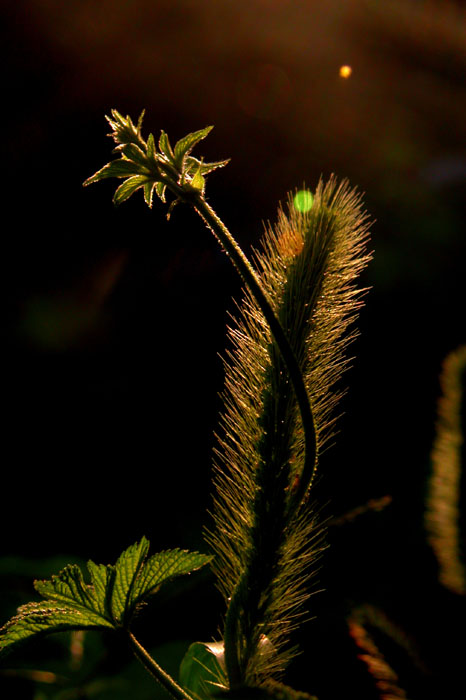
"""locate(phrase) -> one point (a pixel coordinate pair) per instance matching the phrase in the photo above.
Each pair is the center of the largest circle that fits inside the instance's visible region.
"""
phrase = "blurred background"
(113, 319)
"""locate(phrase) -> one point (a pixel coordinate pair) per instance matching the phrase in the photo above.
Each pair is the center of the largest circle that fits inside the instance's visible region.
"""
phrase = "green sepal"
(148, 191)
(140, 120)
(124, 131)
(160, 189)
(202, 671)
(165, 147)
(192, 164)
(128, 188)
(185, 145)
(133, 153)
(151, 150)
(198, 181)
(116, 168)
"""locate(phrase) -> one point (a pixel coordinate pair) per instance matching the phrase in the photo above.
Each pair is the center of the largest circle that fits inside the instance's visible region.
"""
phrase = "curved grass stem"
(252, 281)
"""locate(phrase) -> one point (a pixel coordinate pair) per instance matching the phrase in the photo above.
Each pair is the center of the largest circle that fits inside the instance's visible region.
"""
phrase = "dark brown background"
(112, 320)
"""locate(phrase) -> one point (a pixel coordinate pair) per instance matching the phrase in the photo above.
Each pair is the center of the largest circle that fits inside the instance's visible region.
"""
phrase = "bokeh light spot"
(345, 71)
(303, 200)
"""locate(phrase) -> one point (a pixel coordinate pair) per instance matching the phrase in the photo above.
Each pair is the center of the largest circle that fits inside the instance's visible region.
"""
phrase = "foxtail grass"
(266, 536)
(442, 515)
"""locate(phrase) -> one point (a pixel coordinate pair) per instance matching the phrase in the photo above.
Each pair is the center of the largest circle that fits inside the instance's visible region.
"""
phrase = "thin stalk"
(251, 279)
(166, 169)
(230, 636)
(170, 685)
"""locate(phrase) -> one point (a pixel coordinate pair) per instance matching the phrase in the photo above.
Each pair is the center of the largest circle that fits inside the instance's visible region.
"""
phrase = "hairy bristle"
(442, 515)
(265, 558)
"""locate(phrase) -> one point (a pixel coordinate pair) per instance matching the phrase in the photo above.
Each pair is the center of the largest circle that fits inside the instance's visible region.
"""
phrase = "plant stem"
(170, 685)
(230, 637)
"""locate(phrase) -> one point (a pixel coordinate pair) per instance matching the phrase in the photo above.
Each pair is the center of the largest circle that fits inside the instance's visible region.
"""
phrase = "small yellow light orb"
(345, 71)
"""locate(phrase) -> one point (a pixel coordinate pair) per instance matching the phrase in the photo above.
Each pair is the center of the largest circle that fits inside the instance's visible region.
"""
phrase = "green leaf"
(140, 120)
(140, 159)
(148, 191)
(126, 570)
(128, 188)
(163, 567)
(124, 130)
(42, 618)
(68, 588)
(109, 601)
(116, 168)
(160, 189)
(202, 670)
(151, 151)
(164, 146)
(135, 154)
(70, 604)
(102, 578)
(193, 164)
(117, 122)
(187, 143)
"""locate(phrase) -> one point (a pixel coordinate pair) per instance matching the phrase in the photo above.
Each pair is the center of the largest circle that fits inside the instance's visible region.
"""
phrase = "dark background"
(113, 319)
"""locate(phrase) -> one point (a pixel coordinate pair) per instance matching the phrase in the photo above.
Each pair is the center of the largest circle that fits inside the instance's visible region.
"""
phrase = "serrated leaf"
(202, 669)
(107, 602)
(128, 188)
(185, 145)
(70, 604)
(165, 147)
(163, 567)
(46, 617)
(68, 588)
(126, 571)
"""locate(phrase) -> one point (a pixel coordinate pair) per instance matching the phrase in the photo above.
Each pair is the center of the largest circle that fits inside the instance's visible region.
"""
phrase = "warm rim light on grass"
(443, 506)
